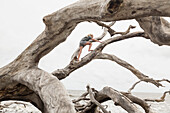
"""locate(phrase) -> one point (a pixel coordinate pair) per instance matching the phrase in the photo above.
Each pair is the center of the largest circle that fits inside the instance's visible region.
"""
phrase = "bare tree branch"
(63, 73)
(120, 100)
(126, 32)
(74, 56)
(100, 97)
(129, 91)
(105, 31)
(162, 99)
(158, 81)
(126, 65)
(82, 97)
(138, 101)
(157, 28)
(113, 32)
(59, 25)
(95, 101)
(163, 80)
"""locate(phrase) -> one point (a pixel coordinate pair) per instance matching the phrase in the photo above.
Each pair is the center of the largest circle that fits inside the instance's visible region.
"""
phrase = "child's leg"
(81, 47)
(90, 45)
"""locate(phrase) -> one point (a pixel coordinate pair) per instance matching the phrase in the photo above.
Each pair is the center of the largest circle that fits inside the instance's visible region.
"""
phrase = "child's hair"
(90, 35)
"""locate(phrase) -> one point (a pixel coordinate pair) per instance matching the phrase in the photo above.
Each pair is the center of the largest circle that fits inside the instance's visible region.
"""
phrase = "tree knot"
(47, 20)
(114, 5)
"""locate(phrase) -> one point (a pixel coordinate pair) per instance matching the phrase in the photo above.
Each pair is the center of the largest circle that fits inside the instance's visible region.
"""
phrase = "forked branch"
(63, 73)
(94, 100)
(113, 32)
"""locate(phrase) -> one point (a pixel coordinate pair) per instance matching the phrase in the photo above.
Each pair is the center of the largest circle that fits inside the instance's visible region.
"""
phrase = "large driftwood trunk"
(50, 96)
(157, 28)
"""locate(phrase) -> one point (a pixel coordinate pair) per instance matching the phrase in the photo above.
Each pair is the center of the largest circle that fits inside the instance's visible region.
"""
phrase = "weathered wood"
(162, 98)
(108, 93)
(138, 101)
(157, 28)
(22, 93)
(63, 73)
(121, 100)
(24, 69)
(94, 100)
(128, 66)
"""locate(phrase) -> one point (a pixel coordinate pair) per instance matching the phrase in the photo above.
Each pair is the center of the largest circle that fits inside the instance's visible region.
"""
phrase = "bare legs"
(90, 44)
(81, 47)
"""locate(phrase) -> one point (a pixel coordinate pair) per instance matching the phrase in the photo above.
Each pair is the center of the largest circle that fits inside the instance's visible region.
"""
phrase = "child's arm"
(96, 40)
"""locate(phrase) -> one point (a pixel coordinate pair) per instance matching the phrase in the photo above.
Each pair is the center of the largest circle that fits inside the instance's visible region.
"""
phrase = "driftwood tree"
(23, 80)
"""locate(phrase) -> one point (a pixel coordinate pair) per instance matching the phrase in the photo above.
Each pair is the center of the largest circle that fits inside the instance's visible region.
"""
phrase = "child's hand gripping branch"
(86, 41)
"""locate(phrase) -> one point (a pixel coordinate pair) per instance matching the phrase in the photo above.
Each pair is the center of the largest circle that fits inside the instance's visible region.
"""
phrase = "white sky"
(21, 22)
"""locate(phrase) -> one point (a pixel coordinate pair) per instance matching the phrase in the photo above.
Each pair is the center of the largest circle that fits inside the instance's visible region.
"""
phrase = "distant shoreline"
(142, 95)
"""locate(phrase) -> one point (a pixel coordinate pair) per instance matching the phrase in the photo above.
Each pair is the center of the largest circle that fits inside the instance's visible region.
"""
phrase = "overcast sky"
(21, 22)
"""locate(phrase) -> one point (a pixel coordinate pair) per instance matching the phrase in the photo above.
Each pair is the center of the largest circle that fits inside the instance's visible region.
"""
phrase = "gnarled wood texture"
(24, 69)
(157, 28)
